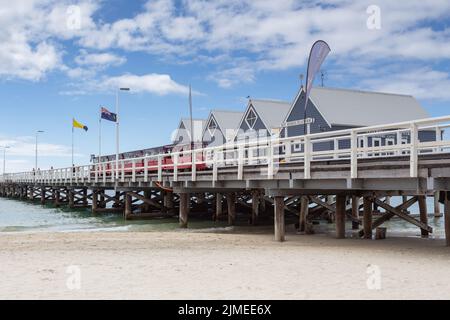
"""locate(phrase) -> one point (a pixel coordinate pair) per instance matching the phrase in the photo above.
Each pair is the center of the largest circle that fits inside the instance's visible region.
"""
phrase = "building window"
(251, 119)
(212, 126)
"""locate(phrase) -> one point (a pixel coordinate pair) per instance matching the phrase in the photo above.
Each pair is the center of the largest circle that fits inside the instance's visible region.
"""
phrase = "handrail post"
(215, 164)
(413, 161)
(270, 161)
(175, 167)
(194, 165)
(145, 170)
(354, 155)
(307, 157)
(133, 170)
(122, 170)
(159, 168)
(240, 162)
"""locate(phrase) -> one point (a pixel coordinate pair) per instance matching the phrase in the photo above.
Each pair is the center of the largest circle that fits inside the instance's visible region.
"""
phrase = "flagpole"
(99, 137)
(190, 114)
(72, 144)
(117, 135)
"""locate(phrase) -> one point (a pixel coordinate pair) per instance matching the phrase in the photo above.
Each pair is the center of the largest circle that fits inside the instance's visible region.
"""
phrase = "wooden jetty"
(345, 183)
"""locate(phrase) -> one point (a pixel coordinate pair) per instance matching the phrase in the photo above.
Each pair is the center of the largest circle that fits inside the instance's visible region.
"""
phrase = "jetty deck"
(279, 176)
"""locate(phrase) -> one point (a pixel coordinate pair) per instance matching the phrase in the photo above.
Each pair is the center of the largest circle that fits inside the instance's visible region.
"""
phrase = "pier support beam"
(279, 219)
(184, 205)
(168, 201)
(437, 207)
(367, 219)
(128, 206)
(94, 201)
(340, 216)
(57, 196)
(355, 213)
(71, 195)
(255, 207)
(447, 218)
(42, 195)
(304, 204)
(423, 214)
(231, 203)
(219, 207)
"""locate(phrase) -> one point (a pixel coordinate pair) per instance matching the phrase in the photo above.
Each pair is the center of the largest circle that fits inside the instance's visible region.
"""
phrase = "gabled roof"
(186, 124)
(272, 112)
(226, 120)
(364, 108)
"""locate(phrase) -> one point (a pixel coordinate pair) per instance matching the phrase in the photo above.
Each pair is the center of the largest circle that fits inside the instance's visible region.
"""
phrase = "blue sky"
(63, 59)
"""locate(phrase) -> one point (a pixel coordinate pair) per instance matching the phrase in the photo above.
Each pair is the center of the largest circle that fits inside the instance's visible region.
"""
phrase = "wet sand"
(206, 265)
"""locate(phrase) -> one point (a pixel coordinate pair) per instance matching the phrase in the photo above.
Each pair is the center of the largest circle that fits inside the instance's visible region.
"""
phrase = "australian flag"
(107, 115)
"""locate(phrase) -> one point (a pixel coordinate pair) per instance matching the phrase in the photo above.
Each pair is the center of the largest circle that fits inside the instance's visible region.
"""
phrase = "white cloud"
(160, 84)
(31, 30)
(99, 59)
(423, 83)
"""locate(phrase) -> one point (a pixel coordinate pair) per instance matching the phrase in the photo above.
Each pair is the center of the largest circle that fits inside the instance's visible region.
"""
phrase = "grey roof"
(272, 112)
(199, 125)
(226, 120)
(363, 108)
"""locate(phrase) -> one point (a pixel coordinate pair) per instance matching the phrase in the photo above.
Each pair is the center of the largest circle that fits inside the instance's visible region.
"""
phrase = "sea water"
(25, 216)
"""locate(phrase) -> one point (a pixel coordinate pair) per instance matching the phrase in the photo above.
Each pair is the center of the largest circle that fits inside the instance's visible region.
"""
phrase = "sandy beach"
(206, 265)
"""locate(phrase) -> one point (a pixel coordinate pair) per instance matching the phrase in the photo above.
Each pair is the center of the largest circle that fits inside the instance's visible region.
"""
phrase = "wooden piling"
(146, 206)
(355, 213)
(94, 201)
(304, 206)
(219, 207)
(128, 206)
(184, 204)
(423, 214)
(57, 197)
(71, 196)
(42, 195)
(437, 206)
(447, 218)
(340, 216)
(255, 207)
(231, 205)
(367, 218)
(279, 219)
(168, 201)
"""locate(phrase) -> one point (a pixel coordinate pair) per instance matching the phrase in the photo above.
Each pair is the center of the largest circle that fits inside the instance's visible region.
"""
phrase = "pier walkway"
(344, 174)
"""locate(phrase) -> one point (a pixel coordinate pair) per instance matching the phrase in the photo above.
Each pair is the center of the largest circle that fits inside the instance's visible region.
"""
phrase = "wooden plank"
(423, 214)
(231, 203)
(447, 218)
(146, 200)
(367, 220)
(279, 219)
(388, 215)
(184, 203)
(304, 207)
(355, 212)
(128, 207)
(219, 206)
(255, 207)
(340, 216)
(403, 215)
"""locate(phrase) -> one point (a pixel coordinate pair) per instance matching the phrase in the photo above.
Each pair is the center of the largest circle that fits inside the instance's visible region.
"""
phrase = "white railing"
(384, 141)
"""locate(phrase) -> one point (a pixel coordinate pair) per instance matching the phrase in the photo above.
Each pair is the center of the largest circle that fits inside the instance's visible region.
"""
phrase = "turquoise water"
(21, 216)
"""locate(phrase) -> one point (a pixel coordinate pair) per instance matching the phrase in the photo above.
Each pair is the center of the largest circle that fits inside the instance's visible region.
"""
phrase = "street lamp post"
(36, 150)
(117, 130)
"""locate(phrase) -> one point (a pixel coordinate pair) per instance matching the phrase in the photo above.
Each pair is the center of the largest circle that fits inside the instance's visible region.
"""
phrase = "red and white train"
(167, 161)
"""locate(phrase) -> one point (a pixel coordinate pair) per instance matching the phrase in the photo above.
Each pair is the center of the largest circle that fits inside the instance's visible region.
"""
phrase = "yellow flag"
(76, 124)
